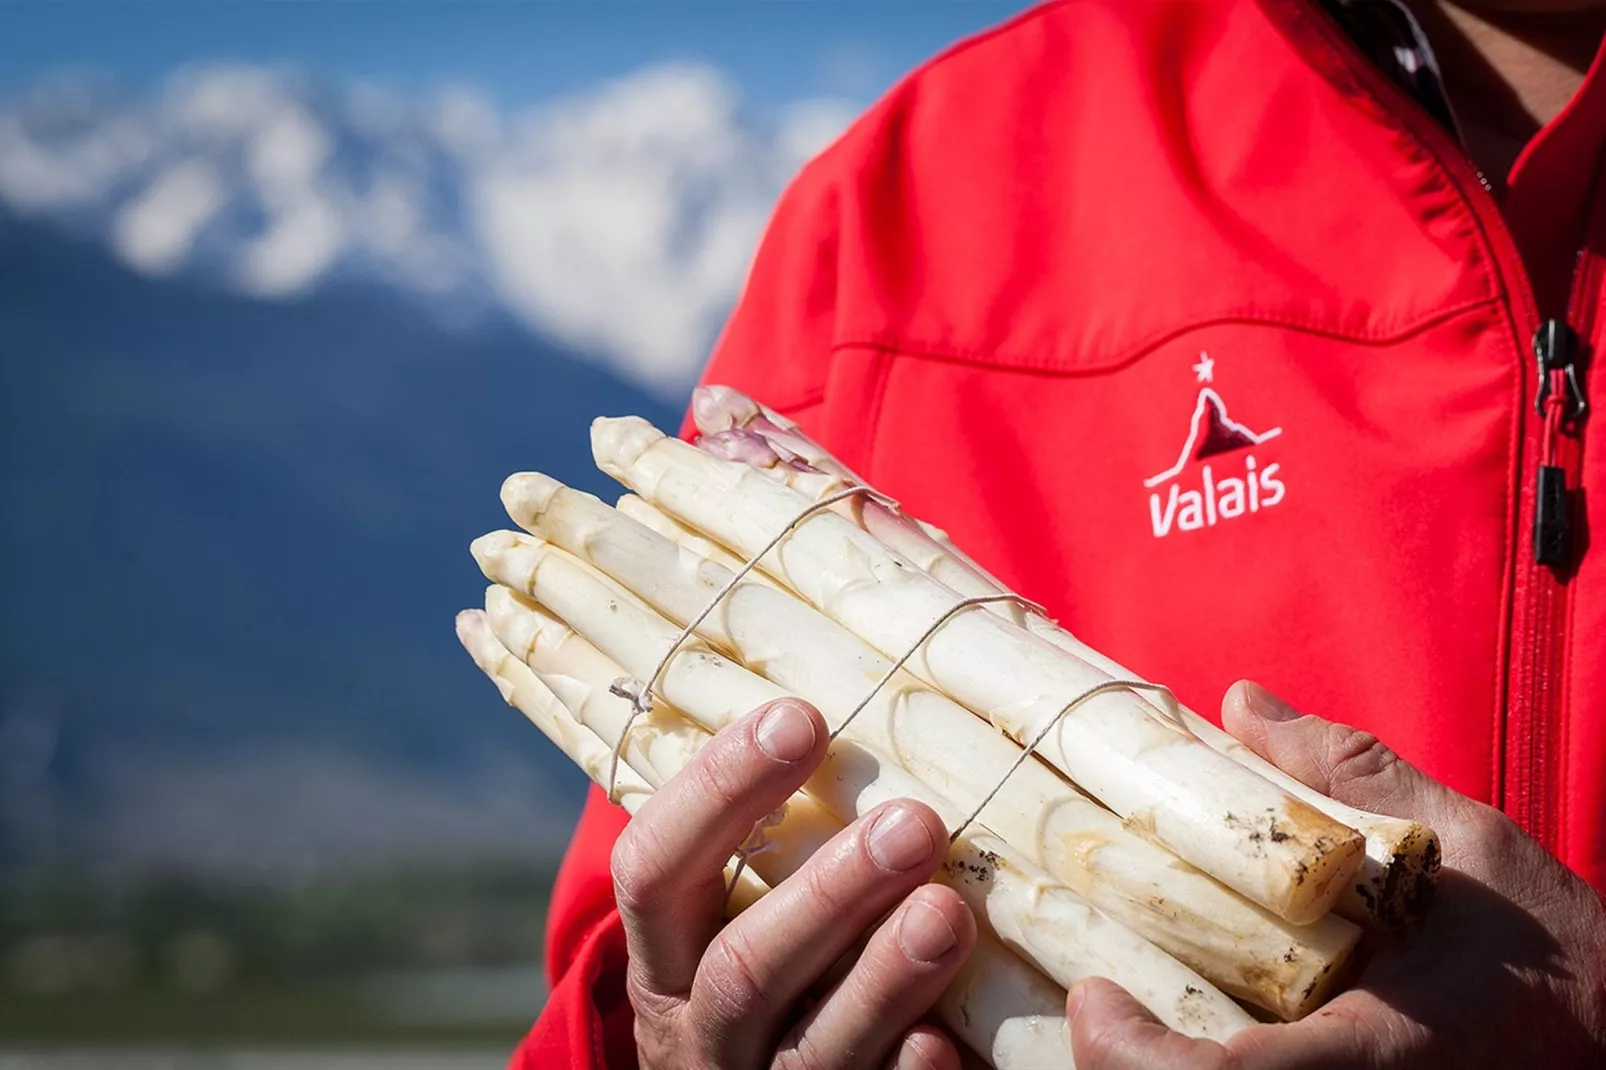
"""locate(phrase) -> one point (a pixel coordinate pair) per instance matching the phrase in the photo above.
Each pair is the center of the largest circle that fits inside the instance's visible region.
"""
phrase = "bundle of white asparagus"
(1134, 841)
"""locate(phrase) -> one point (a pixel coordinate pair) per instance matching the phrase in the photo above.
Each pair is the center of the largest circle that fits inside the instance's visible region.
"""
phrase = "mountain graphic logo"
(1217, 477)
(1211, 432)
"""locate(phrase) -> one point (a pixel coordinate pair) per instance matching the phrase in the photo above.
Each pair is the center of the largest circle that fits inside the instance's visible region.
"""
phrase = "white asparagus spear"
(998, 1005)
(655, 520)
(1007, 1012)
(1247, 833)
(661, 742)
(1395, 882)
(1244, 949)
(521, 689)
(1046, 923)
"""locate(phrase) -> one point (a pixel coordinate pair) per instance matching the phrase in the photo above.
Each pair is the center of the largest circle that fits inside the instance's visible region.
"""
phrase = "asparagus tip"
(509, 557)
(738, 445)
(489, 548)
(721, 408)
(474, 632)
(519, 623)
(526, 495)
(470, 627)
(501, 604)
(618, 441)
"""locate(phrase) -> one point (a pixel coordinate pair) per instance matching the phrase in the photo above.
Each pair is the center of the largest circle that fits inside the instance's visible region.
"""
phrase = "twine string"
(947, 615)
(757, 843)
(639, 693)
(1042, 734)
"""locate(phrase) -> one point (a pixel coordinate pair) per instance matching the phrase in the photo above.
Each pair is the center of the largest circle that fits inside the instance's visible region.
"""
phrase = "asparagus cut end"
(1397, 894)
(1327, 865)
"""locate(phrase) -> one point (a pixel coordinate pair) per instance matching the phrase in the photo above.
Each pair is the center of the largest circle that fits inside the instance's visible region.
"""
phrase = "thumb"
(1112, 1031)
(1341, 762)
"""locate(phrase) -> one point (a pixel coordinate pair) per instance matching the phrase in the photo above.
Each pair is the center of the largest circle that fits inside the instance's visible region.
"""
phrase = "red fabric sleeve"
(776, 347)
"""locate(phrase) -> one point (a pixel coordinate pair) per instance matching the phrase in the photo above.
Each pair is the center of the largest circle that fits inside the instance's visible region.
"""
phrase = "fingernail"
(1267, 706)
(899, 840)
(917, 1053)
(924, 933)
(785, 733)
(912, 1058)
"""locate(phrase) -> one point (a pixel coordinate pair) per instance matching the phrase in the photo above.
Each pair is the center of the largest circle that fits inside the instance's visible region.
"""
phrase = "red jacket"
(1189, 324)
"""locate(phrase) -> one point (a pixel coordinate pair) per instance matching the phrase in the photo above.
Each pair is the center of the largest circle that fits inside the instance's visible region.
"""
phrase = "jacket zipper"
(1560, 404)
(1538, 691)
(1529, 762)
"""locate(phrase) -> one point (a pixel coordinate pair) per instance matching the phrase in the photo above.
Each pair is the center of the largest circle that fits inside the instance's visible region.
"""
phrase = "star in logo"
(1206, 368)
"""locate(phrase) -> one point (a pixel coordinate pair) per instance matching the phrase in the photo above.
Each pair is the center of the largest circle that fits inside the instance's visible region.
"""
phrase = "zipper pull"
(1552, 532)
(1561, 402)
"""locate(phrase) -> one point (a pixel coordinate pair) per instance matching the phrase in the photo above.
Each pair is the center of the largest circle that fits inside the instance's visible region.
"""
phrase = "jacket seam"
(963, 355)
(882, 381)
(814, 395)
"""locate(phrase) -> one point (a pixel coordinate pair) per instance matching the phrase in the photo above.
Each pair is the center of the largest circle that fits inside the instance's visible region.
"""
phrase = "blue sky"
(777, 50)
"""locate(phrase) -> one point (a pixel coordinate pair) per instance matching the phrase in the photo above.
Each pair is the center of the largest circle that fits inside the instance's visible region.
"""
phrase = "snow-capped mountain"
(267, 347)
(618, 222)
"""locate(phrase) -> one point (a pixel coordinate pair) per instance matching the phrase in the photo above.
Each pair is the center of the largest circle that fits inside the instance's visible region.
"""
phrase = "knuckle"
(1356, 757)
(729, 986)
(724, 772)
(641, 880)
(823, 883)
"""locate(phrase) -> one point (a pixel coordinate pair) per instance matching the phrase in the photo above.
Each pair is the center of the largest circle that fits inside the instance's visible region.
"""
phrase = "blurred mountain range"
(234, 537)
(617, 222)
(268, 345)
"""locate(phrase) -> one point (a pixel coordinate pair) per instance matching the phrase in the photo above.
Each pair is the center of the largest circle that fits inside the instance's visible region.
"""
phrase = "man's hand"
(1509, 971)
(709, 995)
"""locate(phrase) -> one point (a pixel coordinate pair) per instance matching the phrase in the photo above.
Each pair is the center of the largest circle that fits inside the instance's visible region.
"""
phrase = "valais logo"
(1217, 476)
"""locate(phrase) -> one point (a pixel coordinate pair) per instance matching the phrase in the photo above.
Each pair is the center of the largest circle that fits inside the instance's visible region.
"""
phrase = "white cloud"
(288, 150)
(226, 99)
(623, 222)
(465, 122)
(154, 231)
(391, 214)
(302, 241)
(619, 221)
